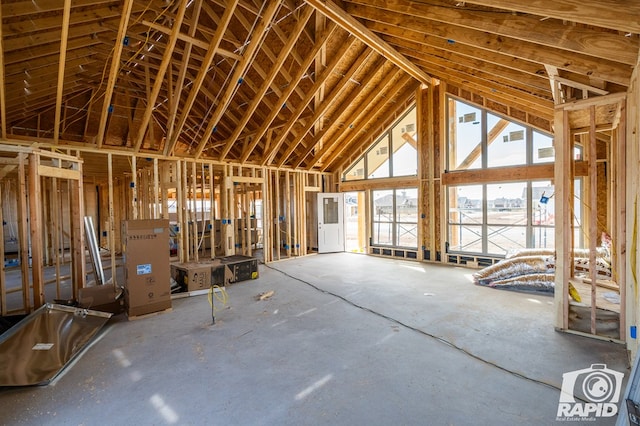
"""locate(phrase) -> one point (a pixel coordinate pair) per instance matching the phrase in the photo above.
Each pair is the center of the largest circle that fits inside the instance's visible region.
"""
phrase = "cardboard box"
(102, 298)
(146, 266)
(192, 276)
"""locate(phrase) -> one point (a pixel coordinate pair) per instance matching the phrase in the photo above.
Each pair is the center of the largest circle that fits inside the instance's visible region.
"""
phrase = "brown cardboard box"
(102, 298)
(146, 261)
(192, 276)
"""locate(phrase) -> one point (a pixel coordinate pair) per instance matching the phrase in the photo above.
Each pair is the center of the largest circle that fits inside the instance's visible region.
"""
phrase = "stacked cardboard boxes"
(146, 266)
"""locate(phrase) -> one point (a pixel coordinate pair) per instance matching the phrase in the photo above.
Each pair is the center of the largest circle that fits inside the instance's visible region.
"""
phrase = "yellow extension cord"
(222, 297)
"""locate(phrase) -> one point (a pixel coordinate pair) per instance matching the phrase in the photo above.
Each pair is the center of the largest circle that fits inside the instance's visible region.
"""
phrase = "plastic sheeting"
(36, 349)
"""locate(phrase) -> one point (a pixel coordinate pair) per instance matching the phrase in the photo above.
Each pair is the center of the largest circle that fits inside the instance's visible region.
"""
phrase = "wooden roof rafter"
(199, 80)
(349, 23)
(282, 100)
(235, 79)
(268, 80)
(322, 108)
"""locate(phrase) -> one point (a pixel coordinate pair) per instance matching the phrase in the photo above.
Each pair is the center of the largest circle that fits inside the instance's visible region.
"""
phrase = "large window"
(395, 217)
(497, 217)
(393, 154)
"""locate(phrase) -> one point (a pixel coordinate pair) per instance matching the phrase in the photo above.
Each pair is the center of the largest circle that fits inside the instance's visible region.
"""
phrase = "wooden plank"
(111, 217)
(417, 28)
(3, 103)
(78, 261)
(355, 27)
(35, 227)
(212, 49)
(287, 209)
(383, 183)
(508, 174)
(212, 211)
(592, 212)
(620, 15)
(114, 71)
(61, 68)
(239, 71)
(23, 233)
(563, 171)
(516, 26)
(159, 77)
(57, 172)
(619, 243)
(3, 285)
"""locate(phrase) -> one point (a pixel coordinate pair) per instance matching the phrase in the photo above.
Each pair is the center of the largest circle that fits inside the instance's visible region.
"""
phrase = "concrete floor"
(346, 339)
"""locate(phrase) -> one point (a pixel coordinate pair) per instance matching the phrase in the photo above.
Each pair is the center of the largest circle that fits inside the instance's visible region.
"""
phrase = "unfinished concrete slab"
(345, 339)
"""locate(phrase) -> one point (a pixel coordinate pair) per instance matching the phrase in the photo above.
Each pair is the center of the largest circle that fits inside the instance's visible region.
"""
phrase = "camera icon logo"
(598, 385)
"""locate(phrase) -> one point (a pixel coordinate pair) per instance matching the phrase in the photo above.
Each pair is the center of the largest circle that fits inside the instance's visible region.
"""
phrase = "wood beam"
(391, 75)
(61, 68)
(190, 39)
(349, 23)
(159, 78)
(186, 56)
(616, 14)
(202, 74)
(115, 69)
(380, 21)
(3, 115)
(275, 69)
(302, 69)
(257, 36)
(320, 81)
(321, 110)
(507, 174)
(611, 46)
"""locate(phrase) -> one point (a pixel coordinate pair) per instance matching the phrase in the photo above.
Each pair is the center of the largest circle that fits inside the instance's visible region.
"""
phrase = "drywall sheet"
(36, 349)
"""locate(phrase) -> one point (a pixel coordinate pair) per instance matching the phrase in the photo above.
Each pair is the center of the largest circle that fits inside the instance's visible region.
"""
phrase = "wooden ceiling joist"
(378, 20)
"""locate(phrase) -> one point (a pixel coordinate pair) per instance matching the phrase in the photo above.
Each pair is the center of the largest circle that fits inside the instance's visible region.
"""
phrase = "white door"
(330, 222)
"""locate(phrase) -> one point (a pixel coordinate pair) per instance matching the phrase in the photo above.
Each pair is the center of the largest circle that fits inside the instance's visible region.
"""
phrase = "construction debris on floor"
(35, 350)
(534, 269)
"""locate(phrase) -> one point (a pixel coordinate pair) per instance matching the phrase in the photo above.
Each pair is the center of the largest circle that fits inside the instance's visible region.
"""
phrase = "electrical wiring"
(222, 298)
(422, 332)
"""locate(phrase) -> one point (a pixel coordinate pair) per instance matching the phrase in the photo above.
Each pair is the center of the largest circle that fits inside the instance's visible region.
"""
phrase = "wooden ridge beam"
(349, 23)
(257, 37)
